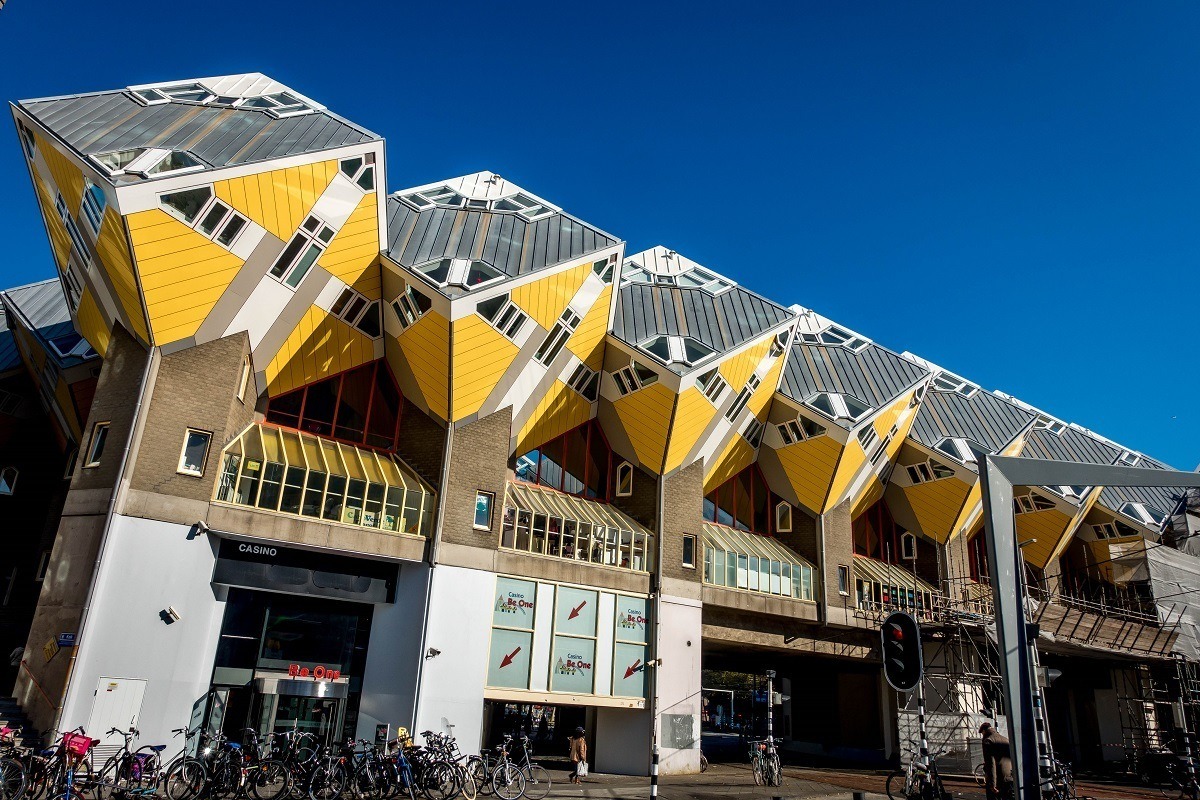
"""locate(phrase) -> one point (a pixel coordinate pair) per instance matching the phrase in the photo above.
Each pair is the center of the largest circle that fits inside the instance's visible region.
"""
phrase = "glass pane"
(332, 508)
(718, 570)
(554, 531)
(508, 528)
(213, 218)
(355, 496)
(357, 386)
(188, 202)
(373, 508)
(292, 490)
(268, 495)
(539, 533)
(194, 451)
(576, 460)
(226, 490)
(551, 471)
(302, 266)
(391, 509)
(524, 530)
(313, 491)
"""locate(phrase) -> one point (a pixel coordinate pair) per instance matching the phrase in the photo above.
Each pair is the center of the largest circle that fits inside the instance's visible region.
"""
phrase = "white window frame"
(1028, 503)
(627, 469)
(181, 469)
(94, 458)
(311, 237)
(962, 450)
(713, 385)
(585, 382)
(356, 174)
(229, 218)
(8, 480)
(949, 382)
(1130, 458)
(779, 526)
(841, 410)
(752, 431)
(148, 160)
(628, 381)
(743, 397)
(406, 308)
(1044, 422)
(491, 506)
(843, 578)
(793, 431)
(93, 212)
(244, 381)
(683, 551)
(556, 338)
(1141, 513)
(347, 302)
(1105, 530)
(80, 348)
(78, 243)
(508, 321)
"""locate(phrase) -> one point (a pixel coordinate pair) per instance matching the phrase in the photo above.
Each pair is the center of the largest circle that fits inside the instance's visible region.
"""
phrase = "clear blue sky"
(1009, 190)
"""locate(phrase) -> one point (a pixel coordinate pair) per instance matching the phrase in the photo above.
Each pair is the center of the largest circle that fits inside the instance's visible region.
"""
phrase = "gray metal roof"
(1163, 499)
(504, 240)
(720, 321)
(222, 137)
(983, 417)
(1070, 445)
(10, 359)
(874, 375)
(42, 308)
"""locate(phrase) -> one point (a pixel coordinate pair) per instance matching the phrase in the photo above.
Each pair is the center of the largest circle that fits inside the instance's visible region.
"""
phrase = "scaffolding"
(1159, 704)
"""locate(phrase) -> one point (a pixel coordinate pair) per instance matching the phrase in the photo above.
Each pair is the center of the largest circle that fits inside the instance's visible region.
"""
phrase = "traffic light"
(903, 663)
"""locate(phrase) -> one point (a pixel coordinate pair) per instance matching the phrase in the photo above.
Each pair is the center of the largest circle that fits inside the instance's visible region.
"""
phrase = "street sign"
(66, 640)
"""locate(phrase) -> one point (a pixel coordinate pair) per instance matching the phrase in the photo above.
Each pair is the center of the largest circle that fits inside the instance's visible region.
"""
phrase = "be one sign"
(317, 673)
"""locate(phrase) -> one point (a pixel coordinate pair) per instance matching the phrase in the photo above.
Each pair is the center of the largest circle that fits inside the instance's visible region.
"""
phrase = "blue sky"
(1009, 190)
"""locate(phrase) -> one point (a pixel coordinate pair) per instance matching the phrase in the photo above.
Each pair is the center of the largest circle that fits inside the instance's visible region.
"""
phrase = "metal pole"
(654, 773)
(771, 709)
(921, 722)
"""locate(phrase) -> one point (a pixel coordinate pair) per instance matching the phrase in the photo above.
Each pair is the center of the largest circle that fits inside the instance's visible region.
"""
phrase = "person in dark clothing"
(997, 762)
(578, 754)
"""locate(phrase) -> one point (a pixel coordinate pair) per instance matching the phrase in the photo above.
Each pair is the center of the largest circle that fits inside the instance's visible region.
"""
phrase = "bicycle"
(764, 762)
(506, 779)
(919, 781)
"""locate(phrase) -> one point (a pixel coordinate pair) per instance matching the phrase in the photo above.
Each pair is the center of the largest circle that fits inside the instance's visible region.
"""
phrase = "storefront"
(294, 639)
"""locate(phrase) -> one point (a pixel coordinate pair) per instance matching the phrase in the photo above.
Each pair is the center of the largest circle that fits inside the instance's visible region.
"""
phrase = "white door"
(118, 704)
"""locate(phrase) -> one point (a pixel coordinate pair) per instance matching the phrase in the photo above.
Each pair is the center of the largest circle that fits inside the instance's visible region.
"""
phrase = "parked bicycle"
(919, 780)
(764, 761)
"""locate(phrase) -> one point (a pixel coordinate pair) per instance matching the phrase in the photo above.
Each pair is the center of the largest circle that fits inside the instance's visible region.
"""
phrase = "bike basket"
(77, 744)
(7, 733)
(141, 765)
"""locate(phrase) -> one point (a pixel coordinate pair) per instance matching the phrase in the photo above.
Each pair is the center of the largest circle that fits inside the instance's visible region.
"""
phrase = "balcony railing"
(288, 472)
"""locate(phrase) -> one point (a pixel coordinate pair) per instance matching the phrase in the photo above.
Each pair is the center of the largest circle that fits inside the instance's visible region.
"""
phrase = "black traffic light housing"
(903, 664)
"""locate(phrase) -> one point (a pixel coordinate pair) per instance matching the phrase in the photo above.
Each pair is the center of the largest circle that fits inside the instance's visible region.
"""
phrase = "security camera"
(202, 527)
(433, 652)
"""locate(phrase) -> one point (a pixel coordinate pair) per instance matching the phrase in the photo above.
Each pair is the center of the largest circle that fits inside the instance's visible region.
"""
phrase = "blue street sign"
(66, 640)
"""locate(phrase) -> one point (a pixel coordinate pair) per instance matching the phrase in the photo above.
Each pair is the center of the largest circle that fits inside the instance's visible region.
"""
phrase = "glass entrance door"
(320, 716)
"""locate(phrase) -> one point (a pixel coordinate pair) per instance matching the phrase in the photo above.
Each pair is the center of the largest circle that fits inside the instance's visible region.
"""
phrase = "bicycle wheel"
(442, 782)
(466, 782)
(507, 782)
(12, 780)
(327, 782)
(897, 786)
(776, 771)
(185, 780)
(477, 768)
(537, 782)
(269, 780)
(756, 766)
(703, 763)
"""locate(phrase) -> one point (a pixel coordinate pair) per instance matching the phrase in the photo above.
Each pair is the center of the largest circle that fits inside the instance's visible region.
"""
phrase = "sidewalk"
(721, 781)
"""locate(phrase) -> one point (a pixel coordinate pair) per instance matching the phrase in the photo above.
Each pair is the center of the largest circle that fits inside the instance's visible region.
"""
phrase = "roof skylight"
(277, 104)
(677, 349)
(460, 272)
(960, 449)
(839, 406)
(693, 278)
(834, 335)
(949, 382)
(1144, 514)
(147, 162)
(527, 208)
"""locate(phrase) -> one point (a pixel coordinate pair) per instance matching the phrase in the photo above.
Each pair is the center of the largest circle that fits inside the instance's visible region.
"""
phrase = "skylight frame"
(838, 408)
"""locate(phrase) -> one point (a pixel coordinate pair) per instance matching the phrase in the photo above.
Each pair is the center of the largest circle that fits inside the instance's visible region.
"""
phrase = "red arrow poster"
(635, 667)
(575, 611)
(508, 659)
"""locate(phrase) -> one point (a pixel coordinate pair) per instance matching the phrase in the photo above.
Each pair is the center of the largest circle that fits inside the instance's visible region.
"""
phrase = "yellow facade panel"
(646, 416)
(693, 413)
(810, 466)
(91, 323)
(761, 399)
(545, 299)
(1046, 527)
(60, 242)
(869, 495)
(852, 460)
(970, 506)
(480, 357)
(560, 410)
(935, 505)
(67, 176)
(356, 245)
(320, 346)
(587, 342)
(737, 456)
(425, 347)
(737, 369)
(114, 252)
(278, 200)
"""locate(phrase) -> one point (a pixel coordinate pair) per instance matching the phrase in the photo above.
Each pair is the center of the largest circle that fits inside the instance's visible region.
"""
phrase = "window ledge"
(317, 520)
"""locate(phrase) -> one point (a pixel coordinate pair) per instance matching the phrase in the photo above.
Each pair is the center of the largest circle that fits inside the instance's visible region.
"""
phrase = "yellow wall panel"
(114, 252)
(587, 342)
(935, 505)
(60, 242)
(66, 174)
(62, 396)
(183, 274)
(693, 413)
(737, 369)
(761, 399)
(425, 347)
(91, 323)
(1047, 527)
(973, 502)
(737, 456)
(278, 200)
(810, 466)
(646, 416)
(850, 463)
(480, 357)
(356, 245)
(887, 418)
(320, 346)
(545, 299)
(560, 410)
(868, 496)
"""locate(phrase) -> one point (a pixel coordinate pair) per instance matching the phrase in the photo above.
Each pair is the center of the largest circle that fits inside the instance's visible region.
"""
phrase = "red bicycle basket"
(76, 744)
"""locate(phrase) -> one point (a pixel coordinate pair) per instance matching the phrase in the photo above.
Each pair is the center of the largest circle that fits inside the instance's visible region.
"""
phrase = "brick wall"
(803, 537)
(839, 549)
(683, 510)
(114, 402)
(642, 505)
(421, 443)
(194, 388)
(478, 462)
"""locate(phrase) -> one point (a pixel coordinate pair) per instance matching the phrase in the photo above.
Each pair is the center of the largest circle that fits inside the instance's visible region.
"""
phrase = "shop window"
(624, 479)
(743, 502)
(689, 551)
(8, 480)
(360, 406)
(96, 447)
(783, 517)
(578, 462)
(195, 451)
(483, 510)
(843, 580)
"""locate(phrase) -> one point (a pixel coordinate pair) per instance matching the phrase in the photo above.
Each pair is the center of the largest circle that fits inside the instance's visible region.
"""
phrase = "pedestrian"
(578, 755)
(997, 762)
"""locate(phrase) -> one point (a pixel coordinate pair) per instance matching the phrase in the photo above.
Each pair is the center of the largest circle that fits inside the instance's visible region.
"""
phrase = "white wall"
(678, 683)
(148, 566)
(460, 621)
(393, 656)
(622, 742)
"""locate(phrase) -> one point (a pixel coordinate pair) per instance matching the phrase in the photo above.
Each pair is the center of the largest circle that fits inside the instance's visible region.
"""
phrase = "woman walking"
(578, 756)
